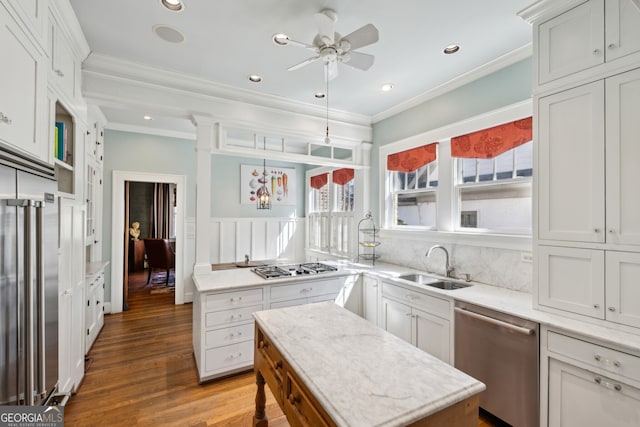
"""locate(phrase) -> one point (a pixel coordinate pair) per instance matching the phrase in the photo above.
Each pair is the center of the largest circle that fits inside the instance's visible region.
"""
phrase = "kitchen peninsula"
(328, 367)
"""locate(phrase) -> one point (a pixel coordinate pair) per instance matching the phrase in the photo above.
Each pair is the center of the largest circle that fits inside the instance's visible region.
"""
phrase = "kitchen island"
(327, 366)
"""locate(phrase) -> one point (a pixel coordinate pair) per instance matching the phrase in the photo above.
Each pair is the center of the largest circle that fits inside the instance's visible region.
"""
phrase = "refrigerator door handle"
(28, 327)
(41, 366)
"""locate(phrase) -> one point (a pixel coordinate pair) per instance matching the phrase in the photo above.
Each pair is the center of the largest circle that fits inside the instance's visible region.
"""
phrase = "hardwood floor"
(141, 372)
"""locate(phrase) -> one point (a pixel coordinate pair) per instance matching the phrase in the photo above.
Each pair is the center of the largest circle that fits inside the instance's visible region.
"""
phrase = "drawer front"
(299, 408)
(300, 301)
(436, 306)
(227, 317)
(226, 336)
(595, 355)
(307, 288)
(230, 356)
(227, 300)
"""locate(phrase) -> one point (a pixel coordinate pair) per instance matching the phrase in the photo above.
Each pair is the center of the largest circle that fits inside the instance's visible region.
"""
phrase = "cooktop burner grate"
(274, 271)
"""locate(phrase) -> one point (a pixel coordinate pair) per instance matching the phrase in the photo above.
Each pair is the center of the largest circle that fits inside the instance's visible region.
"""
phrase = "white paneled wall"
(260, 238)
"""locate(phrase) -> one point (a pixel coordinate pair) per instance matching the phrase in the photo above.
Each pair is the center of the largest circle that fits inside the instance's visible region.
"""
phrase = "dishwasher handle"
(514, 328)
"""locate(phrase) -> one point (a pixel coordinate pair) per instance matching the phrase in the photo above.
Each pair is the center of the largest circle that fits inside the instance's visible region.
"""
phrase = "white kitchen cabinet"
(623, 287)
(586, 383)
(23, 78)
(64, 69)
(371, 298)
(94, 309)
(417, 318)
(71, 295)
(570, 165)
(304, 292)
(571, 279)
(223, 331)
(590, 34)
(34, 15)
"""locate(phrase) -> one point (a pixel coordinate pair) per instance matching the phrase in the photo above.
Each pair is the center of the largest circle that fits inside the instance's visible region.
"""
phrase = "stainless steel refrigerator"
(28, 281)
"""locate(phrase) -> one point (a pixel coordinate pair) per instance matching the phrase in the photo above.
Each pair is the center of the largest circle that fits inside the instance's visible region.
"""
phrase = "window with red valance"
(319, 181)
(342, 176)
(491, 142)
(413, 159)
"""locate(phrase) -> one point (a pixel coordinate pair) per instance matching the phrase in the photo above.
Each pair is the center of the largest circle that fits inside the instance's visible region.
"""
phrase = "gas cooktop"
(274, 271)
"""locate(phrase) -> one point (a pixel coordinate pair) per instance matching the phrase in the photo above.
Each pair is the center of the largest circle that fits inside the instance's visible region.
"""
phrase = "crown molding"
(147, 130)
(136, 72)
(503, 61)
(546, 8)
(70, 25)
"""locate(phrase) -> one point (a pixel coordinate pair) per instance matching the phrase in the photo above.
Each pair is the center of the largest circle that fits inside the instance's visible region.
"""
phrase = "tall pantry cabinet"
(43, 115)
(586, 209)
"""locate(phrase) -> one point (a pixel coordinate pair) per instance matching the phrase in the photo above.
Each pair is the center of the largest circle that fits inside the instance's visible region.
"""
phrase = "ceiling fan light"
(280, 39)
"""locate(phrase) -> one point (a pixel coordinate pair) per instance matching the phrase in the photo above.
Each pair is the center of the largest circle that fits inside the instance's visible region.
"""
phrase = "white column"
(206, 139)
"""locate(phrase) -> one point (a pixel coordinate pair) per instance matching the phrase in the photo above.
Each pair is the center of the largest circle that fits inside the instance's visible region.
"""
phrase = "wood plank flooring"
(141, 372)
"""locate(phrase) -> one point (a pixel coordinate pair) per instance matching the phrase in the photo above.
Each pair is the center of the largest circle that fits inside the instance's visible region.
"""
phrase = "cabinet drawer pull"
(4, 119)
(612, 309)
(263, 344)
(235, 317)
(612, 46)
(279, 364)
(293, 399)
(607, 384)
(59, 72)
(233, 299)
(411, 297)
(607, 362)
(306, 290)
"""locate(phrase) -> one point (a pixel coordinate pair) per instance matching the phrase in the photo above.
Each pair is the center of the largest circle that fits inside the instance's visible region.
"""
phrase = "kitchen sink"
(423, 279)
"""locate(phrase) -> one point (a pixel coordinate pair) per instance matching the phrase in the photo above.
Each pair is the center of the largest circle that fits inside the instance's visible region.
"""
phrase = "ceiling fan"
(331, 48)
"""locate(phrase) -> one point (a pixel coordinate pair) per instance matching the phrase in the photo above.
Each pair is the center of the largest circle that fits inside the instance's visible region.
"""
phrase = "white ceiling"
(227, 40)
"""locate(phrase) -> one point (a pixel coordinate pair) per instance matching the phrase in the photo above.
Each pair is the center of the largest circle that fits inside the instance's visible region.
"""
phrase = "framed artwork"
(281, 183)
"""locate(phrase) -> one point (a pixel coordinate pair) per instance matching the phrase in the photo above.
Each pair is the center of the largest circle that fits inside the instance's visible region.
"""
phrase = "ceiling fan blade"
(331, 71)
(361, 61)
(326, 26)
(363, 36)
(303, 63)
(300, 44)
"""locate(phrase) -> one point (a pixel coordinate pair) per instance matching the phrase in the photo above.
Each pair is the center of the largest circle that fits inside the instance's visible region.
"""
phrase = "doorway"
(120, 232)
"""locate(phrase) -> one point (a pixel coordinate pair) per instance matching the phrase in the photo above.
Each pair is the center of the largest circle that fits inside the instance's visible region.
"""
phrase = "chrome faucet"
(246, 259)
(450, 268)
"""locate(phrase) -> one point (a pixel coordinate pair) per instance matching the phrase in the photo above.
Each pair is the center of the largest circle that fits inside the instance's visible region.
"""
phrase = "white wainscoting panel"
(260, 238)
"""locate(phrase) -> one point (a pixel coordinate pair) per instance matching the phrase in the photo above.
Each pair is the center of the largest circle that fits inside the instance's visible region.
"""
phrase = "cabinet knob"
(4, 119)
(596, 51)
(596, 306)
(293, 399)
(612, 46)
(596, 230)
(279, 364)
(611, 231)
(612, 309)
(59, 72)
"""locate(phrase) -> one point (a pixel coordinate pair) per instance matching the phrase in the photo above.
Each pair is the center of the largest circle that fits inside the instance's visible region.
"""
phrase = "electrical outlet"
(526, 257)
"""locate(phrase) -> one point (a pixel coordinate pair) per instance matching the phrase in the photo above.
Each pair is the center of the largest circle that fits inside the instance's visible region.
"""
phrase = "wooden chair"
(159, 255)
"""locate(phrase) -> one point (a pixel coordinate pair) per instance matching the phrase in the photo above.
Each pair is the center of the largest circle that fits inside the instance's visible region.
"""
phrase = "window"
(413, 177)
(331, 224)
(493, 183)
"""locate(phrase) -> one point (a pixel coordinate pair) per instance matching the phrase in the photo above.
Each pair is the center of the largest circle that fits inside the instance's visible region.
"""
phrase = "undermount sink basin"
(423, 279)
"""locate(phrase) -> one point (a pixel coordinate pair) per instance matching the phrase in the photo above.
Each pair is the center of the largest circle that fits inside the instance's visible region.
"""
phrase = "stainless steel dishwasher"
(501, 351)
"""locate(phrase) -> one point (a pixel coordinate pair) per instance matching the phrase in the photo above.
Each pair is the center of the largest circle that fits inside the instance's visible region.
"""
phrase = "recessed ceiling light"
(387, 87)
(147, 117)
(174, 5)
(320, 95)
(281, 39)
(452, 48)
(255, 78)
(168, 34)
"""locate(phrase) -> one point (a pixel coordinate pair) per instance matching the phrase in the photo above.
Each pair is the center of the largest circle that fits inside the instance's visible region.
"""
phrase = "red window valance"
(410, 160)
(491, 142)
(319, 181)
(342, 176)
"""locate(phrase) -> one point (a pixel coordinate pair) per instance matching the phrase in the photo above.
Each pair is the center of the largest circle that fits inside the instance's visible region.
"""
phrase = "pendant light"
(264, 198)
(326, 77)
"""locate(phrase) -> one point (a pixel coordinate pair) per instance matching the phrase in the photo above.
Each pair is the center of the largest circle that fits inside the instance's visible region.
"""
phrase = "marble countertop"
(505, 300)
(360, 374)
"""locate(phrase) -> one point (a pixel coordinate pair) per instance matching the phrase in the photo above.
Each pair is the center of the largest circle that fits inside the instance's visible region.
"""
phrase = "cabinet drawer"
(230, 356)
(436, 306)
(225, 317)
(233, 299)
(595, 355)
(298, 407)
(226, 336)
(307, 288)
